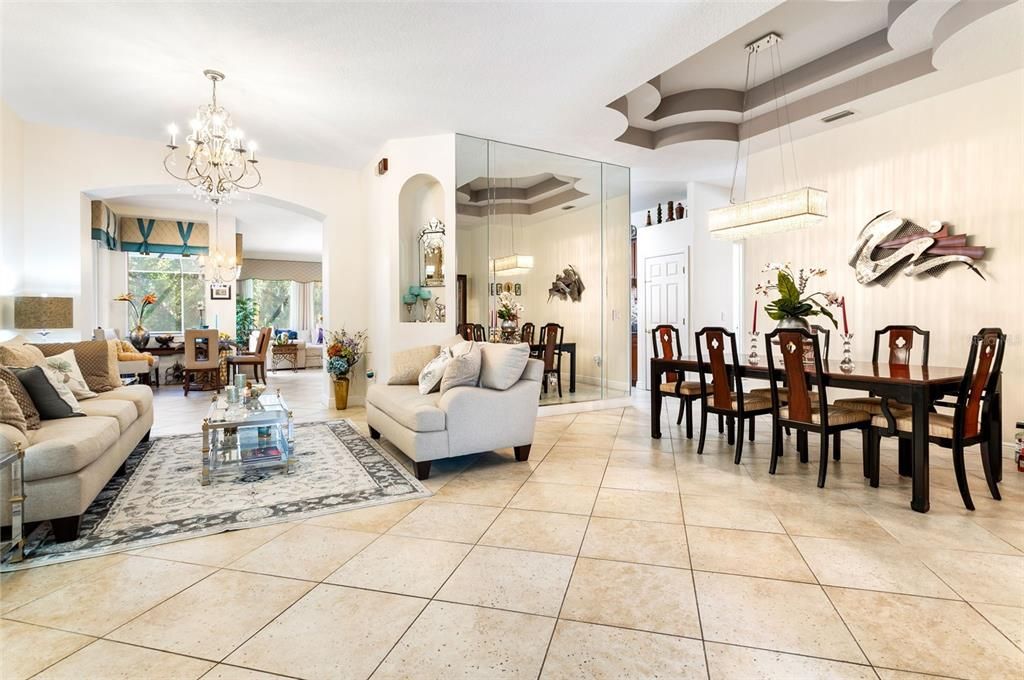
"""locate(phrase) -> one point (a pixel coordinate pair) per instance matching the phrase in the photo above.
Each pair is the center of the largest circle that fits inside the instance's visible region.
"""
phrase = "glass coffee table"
(257, 433)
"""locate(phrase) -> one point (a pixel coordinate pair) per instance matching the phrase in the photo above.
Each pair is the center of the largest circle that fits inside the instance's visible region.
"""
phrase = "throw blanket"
(126, 352)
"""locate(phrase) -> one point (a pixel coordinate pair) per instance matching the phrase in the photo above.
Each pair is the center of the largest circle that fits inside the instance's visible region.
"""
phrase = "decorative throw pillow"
(19, 356)
(71, 376)
(406, 366)
(502, 365)
(51, 403)
(464, 368)
(97, 360)
(10, 411)
(21, 397)
(430, 376)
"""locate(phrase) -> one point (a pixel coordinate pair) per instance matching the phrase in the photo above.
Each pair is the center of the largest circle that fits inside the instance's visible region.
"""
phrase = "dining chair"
(784, 391)
(807, 411)
(479, 333)
(202, 357)
(466, 330)
(900, 341)
(257, 358)
(968, 425)
(551, 335)
(719, 397)
(527, 332)
(668, 345)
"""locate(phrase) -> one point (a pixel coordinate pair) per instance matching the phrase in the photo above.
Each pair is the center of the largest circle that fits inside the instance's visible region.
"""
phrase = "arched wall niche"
(421, 199)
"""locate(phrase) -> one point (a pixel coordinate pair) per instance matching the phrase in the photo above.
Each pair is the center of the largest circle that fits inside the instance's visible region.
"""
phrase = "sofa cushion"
(409, 408)
(140, 395)
(97, 360)
(121, 410)
(464, 368)
(502, 365)
(430, 376)
(66, 365)
(51, 398)
(63, 447)
(406, 365)
(21, 396)
(10, 412)
(19, 356)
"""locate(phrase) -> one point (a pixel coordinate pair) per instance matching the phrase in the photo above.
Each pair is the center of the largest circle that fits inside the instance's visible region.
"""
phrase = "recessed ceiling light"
(831, 118)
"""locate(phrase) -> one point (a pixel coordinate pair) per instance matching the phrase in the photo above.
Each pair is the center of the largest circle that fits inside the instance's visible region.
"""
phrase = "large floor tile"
(537, 531)
(1009, 620)
(28, 649)
(447, 522)
(21, 587)
(401, 564)
(479, 491)
(554, 471)
(210, 619)
(649, 506)
(114, 661)
(1010, 530)
(640, 478)
(583, 650)
(587, 441)
(375, 520)
(574, 499)
(728, 662)
(100, 603)
(980, 577)
(777, 615)
(847, 522)
(871, 566)
(453, 641)
(730, 513)
(750, 553)
(332, 632)
(934, 530)
(644, 597)
(518, 580)
(217, 550)
(635, 541)
(307, 551)
(225, 672)
(926, 635)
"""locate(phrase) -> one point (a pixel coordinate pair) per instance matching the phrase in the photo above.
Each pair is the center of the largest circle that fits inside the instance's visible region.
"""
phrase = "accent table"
(14, 550)
(254, 434)
(288, 351)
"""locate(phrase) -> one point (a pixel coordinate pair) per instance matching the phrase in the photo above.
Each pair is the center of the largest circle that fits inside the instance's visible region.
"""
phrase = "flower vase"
(139, 337)
(509, 327)
(794, 322)
(341, 392)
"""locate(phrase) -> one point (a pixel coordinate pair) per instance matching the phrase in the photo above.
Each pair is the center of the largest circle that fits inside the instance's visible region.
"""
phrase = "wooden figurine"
(649, 223)
(671, 212)
(659, 213)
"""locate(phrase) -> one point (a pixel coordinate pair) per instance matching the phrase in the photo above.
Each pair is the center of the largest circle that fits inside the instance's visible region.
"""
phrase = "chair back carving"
(202, 349)
(795, 345)
(551, 335)
(466, 330)
(712, 342)
(900, 341)
(984, 363)
(526, 332)
(667, 345)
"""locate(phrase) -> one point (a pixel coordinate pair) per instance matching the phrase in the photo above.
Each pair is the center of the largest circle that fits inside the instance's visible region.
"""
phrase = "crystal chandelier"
(217, 267)
(794, 209)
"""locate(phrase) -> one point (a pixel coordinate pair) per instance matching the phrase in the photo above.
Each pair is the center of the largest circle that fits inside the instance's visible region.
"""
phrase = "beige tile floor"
(607, 555)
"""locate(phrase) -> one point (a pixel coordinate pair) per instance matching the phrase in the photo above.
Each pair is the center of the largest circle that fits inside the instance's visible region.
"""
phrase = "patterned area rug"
(159, 499)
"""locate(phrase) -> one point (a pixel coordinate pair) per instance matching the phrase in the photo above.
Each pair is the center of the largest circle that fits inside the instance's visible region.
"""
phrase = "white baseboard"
(584, 406)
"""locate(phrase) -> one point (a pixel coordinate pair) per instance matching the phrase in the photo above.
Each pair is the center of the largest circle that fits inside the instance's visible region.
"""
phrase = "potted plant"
(138, 335)
(793, 304)
(508, 311)
(343, 352)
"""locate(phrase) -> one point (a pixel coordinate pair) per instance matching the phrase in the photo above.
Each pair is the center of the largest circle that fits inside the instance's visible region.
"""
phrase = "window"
(274, 301)
(178, 287)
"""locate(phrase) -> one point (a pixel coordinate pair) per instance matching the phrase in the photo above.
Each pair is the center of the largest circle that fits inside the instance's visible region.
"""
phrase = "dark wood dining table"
(919, 386)
(568, 348)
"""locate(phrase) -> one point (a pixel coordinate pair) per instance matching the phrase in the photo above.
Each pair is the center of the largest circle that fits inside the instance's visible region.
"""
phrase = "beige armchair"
(143, 369)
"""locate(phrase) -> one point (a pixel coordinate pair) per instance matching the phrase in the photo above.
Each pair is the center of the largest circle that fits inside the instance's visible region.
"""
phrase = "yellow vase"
(341, 393)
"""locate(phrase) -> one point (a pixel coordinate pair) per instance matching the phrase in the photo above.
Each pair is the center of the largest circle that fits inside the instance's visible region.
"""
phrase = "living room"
(583, 340)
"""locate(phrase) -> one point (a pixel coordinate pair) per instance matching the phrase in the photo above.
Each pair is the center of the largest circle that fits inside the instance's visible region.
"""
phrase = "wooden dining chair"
(820, 331)
(479, 333)
(900, 341)
(668, 345)
(202, 358)
(969, 424)
(551, 335)
(719, 396)
(807, 411)
(466, 330)
(257, 358)
(527, 332)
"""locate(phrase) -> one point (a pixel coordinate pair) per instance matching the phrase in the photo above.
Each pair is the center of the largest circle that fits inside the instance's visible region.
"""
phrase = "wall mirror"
(432, 254)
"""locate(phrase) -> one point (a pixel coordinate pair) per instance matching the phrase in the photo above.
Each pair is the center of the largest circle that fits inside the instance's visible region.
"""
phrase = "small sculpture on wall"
(917, 249)
(440, 313)
(567, 286)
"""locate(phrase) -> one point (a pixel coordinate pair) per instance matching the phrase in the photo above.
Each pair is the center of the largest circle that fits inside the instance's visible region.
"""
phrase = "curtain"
(281, 270)
(104, 225)
(302, 306)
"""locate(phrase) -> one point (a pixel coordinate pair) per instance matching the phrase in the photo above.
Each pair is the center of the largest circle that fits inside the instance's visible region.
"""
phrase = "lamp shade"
(783, 212)
(43, 312)
(513, 265)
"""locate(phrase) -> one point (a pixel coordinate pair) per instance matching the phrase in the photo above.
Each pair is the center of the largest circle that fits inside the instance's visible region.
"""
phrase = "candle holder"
(753, 356)
(846, 365)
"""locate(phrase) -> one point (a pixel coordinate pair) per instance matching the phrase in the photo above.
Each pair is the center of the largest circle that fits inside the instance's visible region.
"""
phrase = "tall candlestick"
(754, 328)
(846, 326)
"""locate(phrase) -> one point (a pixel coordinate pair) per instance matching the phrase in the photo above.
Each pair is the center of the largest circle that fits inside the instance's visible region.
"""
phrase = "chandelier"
(793, 209)
(216, 166)
(216, 267)
(513, 264)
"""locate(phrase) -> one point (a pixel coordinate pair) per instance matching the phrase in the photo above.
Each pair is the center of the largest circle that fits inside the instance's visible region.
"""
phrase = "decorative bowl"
(164, 340)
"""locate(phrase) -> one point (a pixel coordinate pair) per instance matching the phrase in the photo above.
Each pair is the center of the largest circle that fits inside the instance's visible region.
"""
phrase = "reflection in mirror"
(432, 254)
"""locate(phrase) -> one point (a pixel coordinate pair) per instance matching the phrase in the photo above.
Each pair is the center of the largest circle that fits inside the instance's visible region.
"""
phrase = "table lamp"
(43, 313)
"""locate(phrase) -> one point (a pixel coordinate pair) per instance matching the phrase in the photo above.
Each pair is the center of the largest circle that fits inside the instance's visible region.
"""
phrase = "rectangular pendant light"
(782, 212)
(513, 265)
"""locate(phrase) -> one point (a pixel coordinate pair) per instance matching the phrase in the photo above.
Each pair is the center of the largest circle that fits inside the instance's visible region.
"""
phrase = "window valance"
(148, 234)
(104, 225)
(281, 270)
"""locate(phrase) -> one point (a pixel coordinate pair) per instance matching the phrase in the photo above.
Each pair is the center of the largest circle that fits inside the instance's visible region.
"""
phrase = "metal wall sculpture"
(898, 243)
(567, 286)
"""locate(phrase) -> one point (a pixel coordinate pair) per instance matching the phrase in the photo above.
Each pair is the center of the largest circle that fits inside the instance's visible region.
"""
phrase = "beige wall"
(11, 212)
(957, 157)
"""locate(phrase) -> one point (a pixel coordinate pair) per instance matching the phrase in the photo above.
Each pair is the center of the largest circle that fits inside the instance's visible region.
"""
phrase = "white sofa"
(69, 461)
(463, 420)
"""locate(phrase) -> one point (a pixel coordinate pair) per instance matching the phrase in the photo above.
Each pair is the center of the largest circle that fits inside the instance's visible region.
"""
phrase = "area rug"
(159, 499)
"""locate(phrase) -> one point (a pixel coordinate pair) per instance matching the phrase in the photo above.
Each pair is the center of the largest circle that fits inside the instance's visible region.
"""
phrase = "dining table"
(566, 348)
(918, 386)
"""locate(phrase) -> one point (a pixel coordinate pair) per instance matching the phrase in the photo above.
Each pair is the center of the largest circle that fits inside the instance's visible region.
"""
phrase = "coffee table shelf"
(241, 437)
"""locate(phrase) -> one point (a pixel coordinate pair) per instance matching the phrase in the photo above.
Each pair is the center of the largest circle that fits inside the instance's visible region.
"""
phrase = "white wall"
(11, 212)
(956, 157)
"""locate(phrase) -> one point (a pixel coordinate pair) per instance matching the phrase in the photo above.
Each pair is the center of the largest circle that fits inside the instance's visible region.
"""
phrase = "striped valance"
(104, 225)
(281, 270)
(150, 235)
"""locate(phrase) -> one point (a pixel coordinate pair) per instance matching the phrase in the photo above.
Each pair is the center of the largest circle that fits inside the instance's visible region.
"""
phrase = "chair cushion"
(836, 415)
(407, 364)
(873, 405)
(63, 447)
(121, 410)
(502, 365)
(939, 424)
(404, 403)
(140, 395)
(766, 392)
(690, 389)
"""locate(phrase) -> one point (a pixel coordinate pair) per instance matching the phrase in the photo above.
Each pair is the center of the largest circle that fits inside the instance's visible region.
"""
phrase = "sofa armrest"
(534, 370)
(9, 436)
(479, 419)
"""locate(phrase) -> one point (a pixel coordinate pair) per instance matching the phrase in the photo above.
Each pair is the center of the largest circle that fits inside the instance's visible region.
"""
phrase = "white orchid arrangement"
(793, 299)
(508, 308)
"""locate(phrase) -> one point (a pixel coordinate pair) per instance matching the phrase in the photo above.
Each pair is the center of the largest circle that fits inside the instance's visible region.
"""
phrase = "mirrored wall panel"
(543, 256)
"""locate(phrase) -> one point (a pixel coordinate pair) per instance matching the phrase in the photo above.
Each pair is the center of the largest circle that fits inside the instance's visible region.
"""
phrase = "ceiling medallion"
(792, 209)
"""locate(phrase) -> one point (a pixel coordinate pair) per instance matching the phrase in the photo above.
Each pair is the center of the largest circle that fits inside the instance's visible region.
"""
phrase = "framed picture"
(508, 286)
(519, 289)
(220, 291)
(492, 288)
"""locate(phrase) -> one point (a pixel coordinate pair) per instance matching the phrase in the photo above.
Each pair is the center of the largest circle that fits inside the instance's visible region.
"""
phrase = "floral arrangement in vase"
(508, 308)
(344, 351)
(138, 335)
(793, 303)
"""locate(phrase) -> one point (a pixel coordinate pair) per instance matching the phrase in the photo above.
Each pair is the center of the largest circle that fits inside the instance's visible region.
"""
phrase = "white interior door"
(667, 295)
